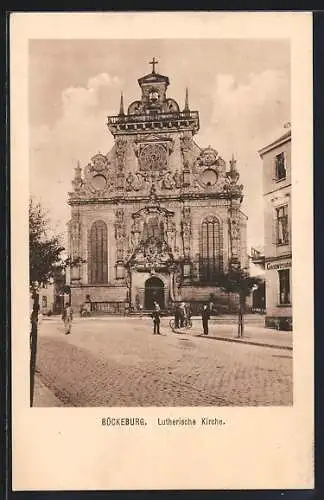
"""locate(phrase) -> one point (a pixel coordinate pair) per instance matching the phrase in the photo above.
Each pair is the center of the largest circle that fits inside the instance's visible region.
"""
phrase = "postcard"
(162, 250)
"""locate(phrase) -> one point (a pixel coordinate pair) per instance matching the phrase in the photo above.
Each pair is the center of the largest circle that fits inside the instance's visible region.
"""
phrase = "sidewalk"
(44, 397)
(253, 335)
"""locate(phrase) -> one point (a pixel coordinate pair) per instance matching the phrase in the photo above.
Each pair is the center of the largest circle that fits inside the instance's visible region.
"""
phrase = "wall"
(276, 194)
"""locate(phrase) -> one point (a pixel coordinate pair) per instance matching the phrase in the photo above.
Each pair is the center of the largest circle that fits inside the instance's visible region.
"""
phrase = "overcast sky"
(240, 88)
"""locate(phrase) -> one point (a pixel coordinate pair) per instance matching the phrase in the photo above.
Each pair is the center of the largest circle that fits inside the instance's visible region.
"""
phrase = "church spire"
(186, 107)
(121, 108)
(77, 170)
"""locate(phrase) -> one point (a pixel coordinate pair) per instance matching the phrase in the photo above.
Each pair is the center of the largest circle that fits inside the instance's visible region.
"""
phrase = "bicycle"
(187, 324)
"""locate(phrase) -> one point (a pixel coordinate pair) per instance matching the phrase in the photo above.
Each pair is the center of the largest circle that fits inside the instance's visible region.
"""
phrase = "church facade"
(158, 217)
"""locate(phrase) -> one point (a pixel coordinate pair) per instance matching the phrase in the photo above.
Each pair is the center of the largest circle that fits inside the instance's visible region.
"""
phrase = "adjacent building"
(157, 217)
(276, 158)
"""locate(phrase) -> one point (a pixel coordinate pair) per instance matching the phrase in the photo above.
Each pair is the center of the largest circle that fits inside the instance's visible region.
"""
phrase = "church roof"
(153, 78)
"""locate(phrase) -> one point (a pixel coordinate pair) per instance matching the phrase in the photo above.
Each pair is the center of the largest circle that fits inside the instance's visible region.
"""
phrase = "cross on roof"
(153, 62)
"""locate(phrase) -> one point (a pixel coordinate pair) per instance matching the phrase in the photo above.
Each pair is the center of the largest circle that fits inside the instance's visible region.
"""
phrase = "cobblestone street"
(119, 362)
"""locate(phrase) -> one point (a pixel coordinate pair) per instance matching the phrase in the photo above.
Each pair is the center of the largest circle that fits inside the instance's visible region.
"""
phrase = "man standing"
(177, 316)
(205, 317)
(156, 318)
(67, 317)
(182, 314)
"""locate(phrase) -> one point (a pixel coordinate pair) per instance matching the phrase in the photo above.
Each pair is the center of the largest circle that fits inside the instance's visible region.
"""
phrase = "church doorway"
(154, 290)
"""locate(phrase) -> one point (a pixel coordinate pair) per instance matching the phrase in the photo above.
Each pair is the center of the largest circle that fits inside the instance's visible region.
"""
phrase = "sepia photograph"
(161, 228)
(160, 222)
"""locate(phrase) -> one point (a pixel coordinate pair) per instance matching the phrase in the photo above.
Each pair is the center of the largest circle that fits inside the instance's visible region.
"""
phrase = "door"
(154, 291)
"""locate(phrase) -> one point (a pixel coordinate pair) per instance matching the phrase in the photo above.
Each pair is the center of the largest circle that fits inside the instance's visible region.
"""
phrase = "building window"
(211, 258)
(280, 162)
(284, 286)
(98, 253)
(282, 225)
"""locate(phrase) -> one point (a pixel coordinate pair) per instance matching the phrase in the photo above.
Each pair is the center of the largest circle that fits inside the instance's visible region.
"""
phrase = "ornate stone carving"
(121, 150)
(177, 282)
(171, 233)
(96, 173)
(120, 234)
(75, 242)
(186, 231)
(136, 108)
(77, 182)
(186, 150)
(153, 157)
(99, 163)
(168, 181)
(234, 232)
(186, 144)
(152, 254)
(207, 158)
(230, 185)
(133, 182)
(195, 267)
(233, 174)
(177, 179)
(135, 232)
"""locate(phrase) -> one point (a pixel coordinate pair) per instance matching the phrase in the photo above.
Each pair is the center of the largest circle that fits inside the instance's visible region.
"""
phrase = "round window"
(209, 177)
(99, 182)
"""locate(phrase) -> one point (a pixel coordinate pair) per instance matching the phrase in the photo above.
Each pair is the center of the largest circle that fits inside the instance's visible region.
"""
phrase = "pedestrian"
(156, 318)
(182, 314)
(177, 316)
(188, 314)
(67, 317)
(140, 308)
(205, 317)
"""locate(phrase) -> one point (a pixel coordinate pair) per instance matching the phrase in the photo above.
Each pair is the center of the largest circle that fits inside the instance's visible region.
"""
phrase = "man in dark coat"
(156, 318)
(205, 317)
(177, 315)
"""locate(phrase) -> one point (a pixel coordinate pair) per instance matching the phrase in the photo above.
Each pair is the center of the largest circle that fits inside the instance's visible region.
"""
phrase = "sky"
(241, 89)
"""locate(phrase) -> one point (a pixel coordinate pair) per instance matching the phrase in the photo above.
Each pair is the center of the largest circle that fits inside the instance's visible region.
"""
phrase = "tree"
(45, 249)
(238, 280)
(46, 262)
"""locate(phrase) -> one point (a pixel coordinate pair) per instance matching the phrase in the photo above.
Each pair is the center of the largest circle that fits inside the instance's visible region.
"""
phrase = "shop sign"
(282, 264)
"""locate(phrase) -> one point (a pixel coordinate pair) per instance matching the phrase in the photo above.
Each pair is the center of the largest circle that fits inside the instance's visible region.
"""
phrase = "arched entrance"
(154, 290)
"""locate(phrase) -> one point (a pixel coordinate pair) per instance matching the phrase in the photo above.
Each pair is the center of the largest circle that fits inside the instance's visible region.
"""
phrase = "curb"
(250, 342)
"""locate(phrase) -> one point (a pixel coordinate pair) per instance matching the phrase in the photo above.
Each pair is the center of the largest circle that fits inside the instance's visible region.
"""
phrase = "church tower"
(157, 217)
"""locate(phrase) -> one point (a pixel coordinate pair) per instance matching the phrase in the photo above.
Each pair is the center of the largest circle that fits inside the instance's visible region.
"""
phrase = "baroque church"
(157, 217)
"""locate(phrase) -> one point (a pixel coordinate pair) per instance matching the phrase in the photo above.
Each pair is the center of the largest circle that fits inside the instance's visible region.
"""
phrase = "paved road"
(116, 362)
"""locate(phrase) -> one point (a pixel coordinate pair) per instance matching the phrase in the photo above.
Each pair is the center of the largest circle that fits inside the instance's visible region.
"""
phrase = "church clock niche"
(209, 177)
(153, 157)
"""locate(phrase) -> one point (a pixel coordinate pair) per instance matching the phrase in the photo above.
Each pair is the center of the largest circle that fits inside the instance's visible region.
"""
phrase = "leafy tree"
(45, 249)
(238, 280)
(45, 262)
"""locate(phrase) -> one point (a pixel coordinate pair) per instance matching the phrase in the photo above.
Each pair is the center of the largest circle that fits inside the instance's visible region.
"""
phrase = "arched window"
(98, 266)
(211, 244)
